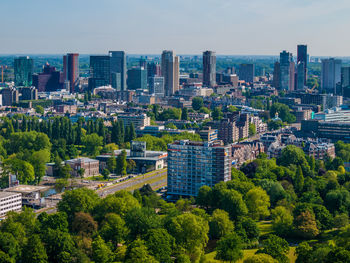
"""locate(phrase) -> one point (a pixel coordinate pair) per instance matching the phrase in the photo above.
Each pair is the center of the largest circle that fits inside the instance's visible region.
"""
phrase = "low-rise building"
(246, 151)
(10, 202)
(139, 120)
(90, 166)
(209, 134)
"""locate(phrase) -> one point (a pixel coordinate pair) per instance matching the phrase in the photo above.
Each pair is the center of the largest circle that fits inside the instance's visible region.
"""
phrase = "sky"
(229, 27)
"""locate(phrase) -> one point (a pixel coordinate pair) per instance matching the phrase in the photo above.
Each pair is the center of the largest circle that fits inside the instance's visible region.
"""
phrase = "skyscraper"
(49, 80)
(23, 70)
(300, 76)
(156, 86)
(331, 75)
(137, 78)
(302, 59)
(246, 72)
(209, 69)
(170, 72)
(99, 71)
(71, 70)
(287, 71)
(345, 81)
(118, 69)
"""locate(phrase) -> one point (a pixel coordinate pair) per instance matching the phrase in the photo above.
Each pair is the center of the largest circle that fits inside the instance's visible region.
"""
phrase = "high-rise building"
(276, 75)
(331, 75)
(170, 72)
(246, 72)
(345, 81)
(156, 86)
(48, 80)
(99, 71)
(137, 79)
(153, 70)
(28, 93)
(209, 69)
(194, 164)
(71, 70)
(287, 71)
(300, 76)
(23, 70)
(118, 70)
(302, 57)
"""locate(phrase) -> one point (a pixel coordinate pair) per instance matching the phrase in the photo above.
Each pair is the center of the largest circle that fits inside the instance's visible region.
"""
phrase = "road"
(155, 179)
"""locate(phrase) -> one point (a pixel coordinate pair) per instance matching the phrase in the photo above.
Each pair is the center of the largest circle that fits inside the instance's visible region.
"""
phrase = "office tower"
(9, 96)
(48, 80)
(99, 71)
(156, 86)
(345, 81)
(209, 69)
(170, 72)
(246, 72)
(23, 70)
(194, 164)
(276, 75)
(71, 70)
(331, 75)
(153, 69)
(286, 71)
(143, 63)
(137, 79)
(302, 58)
(118, 70)
(300, 76)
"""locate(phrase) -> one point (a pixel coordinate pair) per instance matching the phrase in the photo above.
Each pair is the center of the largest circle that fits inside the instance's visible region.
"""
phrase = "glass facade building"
(23, 70)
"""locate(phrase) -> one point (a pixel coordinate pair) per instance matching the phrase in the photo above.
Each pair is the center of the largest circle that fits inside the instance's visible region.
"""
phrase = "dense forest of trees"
(306, 200)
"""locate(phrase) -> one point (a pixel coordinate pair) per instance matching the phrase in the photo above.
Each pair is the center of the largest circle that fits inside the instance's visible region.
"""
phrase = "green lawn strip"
(151, 181)
(265, 227)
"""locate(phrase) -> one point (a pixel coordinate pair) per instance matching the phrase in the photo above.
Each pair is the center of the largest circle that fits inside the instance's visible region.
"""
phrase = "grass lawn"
(150, 181)
(96, 178)
(210, 257)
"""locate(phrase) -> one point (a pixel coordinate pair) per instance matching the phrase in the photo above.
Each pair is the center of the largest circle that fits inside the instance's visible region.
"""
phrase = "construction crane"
(2, 73)
(312, 89)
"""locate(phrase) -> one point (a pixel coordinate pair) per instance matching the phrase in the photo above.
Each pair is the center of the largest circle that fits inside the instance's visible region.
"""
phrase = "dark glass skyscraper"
(287, 70)
(170, 72)
(209, 69)
(118, 69)
(246, 72)
(137, 78)
(23, 70)
(302, 58)
(49, 80)
(99, 71)
(71, 70)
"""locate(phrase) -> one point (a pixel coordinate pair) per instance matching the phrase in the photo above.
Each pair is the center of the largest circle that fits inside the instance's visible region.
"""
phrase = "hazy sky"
(185, 26)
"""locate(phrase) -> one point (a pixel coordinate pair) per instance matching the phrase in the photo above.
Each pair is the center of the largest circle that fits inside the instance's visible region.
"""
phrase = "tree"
(232, 108)
(10, 245)
(197, 103)
(38, 161)
(92, 144)
(260, 258)
(34, 251)
(305, 224)
(283, 112)
(220, 224)
(276, 247)
(299, 180)
(23, 170)
(78, 200)
(112, 164)
(217, 114)
(282, 220)
(252, 129)
(258, 203)
(303, 252)
(190, 232)
(84, 225)
(114, 229)
(81, 172)
(130, 165)
(137, 253)
(232, 202)
(101, 253)
(39, 109)
(121, 163)
(184, 114)
(160, 244)
(203, 198)
(229, 248)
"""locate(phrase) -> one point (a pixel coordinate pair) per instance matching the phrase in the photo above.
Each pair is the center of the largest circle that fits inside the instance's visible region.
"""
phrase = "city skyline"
(235, 27)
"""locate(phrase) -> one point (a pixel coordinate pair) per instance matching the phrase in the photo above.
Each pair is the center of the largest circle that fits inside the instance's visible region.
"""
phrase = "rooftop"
(25, 189)
(6, 194)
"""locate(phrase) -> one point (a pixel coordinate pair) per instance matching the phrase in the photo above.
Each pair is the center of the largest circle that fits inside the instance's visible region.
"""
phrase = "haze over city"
(188, 27)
